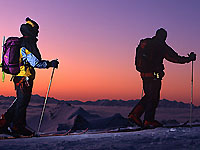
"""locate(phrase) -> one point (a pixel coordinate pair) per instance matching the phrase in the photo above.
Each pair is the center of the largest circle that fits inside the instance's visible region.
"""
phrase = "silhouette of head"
(31, 28)
(161, 34)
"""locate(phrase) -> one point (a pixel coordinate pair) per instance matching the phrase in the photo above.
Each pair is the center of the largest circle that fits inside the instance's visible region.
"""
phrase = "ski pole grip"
(57, 64)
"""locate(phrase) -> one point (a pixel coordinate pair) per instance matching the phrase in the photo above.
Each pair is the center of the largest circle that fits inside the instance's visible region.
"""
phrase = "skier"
(149, 62)
(30, 58)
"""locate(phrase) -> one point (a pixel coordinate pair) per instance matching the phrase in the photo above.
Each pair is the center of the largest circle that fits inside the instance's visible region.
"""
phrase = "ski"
(9, 136)
(135, 129)
(79, 133)
(118, 130)
(54, 134)
(68, 133)
(184, 125)
(174, 126)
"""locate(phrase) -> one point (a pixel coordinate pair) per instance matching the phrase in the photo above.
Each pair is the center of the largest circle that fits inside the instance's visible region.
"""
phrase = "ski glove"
(192, 56)
(53, 63)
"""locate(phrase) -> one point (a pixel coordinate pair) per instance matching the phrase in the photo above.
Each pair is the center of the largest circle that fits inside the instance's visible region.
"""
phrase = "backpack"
(10, 56)
(144, 56)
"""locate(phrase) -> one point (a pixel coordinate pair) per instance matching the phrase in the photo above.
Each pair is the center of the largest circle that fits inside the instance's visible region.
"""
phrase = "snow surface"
(154, 139)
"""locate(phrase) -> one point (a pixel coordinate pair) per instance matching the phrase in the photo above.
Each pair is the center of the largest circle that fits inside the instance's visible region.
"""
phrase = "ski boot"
(152, 124)
(3, 124)
(135, 114)
(2, 121)
(22, 131)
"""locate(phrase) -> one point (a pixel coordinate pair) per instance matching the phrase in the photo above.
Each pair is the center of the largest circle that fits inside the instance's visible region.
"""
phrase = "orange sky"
(95, 43)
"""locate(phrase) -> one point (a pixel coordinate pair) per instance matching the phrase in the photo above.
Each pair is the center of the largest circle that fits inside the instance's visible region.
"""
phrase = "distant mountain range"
(106, 102)
(164, 103)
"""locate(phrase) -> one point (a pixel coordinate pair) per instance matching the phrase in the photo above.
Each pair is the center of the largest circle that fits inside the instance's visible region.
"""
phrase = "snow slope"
(64, 117)
(155, 139)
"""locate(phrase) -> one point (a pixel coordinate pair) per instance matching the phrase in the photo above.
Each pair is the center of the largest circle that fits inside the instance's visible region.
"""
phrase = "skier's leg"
(8, 115)
(137, 112)
(153, 93)
(23, 98)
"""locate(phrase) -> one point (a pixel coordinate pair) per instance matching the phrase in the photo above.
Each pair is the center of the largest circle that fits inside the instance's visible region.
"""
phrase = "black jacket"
(154, 52)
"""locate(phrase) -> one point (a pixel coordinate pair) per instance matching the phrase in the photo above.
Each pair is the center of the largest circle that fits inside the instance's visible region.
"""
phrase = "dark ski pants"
(151, 98)
(16, 114)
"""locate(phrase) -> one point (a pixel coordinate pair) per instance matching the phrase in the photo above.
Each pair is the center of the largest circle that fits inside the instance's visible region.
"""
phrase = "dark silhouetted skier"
(149, 62)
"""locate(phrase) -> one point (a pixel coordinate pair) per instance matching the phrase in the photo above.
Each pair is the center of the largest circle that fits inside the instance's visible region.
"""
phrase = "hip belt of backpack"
(23, 80)
(155, 75)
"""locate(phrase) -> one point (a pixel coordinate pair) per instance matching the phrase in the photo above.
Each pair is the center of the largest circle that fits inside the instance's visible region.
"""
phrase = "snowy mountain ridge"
(101, 102)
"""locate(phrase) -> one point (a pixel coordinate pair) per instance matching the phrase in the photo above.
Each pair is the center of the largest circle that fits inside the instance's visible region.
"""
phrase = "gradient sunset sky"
(95, 43)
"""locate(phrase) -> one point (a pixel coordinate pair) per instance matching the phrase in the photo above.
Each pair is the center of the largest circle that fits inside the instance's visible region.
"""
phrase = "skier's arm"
(33, 61)
(172, 56)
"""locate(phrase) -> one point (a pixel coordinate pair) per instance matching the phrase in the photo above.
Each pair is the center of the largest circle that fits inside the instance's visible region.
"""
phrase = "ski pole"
(3, 74)
(42, 114)
(192, 86)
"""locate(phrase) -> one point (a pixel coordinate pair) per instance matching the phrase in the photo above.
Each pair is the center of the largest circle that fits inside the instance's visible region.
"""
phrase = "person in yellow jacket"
(30, 58)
